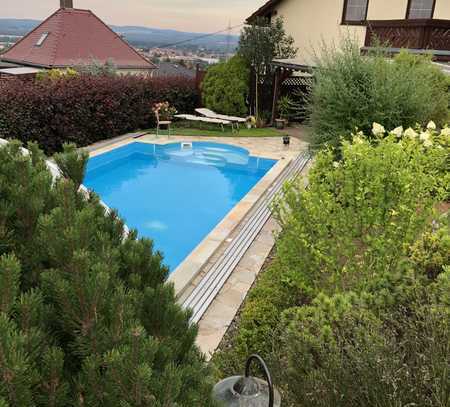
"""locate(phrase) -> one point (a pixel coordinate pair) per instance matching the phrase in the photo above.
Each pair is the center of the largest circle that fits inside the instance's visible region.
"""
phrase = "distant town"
(188, 50)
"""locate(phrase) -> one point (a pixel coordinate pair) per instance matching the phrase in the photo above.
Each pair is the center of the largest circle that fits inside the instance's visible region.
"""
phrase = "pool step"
(207, 289)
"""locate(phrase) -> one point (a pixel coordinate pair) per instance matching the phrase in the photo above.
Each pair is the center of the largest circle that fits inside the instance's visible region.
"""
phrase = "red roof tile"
(74, 37)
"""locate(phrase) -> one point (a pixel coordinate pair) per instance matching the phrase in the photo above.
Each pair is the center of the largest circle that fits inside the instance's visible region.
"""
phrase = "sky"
(183, 15)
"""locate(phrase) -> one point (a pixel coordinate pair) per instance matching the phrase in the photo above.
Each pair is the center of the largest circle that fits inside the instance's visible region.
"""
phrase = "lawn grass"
(196, 132)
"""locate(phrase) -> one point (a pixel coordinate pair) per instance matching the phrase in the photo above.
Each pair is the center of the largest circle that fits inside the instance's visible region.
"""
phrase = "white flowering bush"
(354, 308)
(434, 145)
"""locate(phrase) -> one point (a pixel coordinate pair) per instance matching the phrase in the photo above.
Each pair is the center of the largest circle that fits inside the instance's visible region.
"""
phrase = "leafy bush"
(360, 274)
(225, 87)
(85, 109)
(337, 355)
(86, 318)
(353, 91)
(55, 74)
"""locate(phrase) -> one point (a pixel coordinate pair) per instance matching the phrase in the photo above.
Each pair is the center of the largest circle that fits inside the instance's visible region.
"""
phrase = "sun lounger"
(213, 115)
(193, 118)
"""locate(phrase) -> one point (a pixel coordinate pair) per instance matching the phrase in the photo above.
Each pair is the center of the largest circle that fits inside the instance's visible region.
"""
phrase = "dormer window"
(41, 39)
(419, 9)
(355, 12)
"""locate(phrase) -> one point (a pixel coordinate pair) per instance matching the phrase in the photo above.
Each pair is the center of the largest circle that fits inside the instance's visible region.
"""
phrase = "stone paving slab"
(216, 320)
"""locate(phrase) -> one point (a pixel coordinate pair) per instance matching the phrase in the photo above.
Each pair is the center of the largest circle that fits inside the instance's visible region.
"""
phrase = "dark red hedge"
(86, 109)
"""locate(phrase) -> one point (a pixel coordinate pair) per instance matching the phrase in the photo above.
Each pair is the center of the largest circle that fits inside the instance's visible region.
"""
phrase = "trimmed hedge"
(86, 109)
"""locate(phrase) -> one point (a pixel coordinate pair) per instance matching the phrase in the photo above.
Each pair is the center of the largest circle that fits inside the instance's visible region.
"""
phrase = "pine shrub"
(86, 318)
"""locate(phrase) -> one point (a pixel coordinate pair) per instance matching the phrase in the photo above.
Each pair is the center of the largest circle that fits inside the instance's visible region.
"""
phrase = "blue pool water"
(174, 193)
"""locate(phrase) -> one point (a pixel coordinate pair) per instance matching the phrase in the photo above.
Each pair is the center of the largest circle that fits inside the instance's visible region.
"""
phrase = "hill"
(138, 36)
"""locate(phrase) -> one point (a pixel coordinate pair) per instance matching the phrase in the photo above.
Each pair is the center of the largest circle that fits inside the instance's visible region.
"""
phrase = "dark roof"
(71, 37)
(7, 65)
(170, 69)
(264, 10)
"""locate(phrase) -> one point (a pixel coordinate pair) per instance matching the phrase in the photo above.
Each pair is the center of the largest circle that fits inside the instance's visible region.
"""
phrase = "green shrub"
(86, 318)
(225, 87)
(361, 272)
(352, 91)
(331, 356)
(358, 216)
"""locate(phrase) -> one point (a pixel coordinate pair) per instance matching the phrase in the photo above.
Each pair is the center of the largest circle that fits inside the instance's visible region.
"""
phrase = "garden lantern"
(248, 391)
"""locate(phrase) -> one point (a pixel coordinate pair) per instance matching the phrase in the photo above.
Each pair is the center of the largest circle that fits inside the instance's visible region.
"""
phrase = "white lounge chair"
(213, 115)
(193, 118)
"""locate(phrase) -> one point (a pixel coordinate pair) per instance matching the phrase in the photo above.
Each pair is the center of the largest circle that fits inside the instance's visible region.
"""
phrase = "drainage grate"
(204, 293)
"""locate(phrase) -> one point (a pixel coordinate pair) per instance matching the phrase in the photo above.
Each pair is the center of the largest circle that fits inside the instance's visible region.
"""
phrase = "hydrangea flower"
(398, 131)
(431, 125)
(445, 132)
(377, 129)
(411, 133)
(427, 143)
(424, 136)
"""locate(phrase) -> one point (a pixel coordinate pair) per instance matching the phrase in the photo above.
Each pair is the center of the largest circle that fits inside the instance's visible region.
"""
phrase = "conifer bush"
(86, 318)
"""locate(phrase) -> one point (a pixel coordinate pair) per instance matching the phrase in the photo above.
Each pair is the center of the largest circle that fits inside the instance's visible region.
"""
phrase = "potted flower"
(251, 122)
(164, 111)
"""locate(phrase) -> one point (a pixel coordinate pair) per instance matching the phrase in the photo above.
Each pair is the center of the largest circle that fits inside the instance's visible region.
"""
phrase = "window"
(420, 9)
(41, 40)
(355, 11)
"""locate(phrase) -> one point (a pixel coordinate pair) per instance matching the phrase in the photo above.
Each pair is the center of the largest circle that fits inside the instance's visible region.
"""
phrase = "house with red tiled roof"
(71, 37)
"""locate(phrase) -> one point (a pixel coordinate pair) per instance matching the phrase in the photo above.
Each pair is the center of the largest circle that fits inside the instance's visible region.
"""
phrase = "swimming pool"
(175, 193)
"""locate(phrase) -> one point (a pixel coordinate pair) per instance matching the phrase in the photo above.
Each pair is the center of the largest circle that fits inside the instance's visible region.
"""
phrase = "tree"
(260, 43)
(95, 68)
(86, 318)
(225, 87)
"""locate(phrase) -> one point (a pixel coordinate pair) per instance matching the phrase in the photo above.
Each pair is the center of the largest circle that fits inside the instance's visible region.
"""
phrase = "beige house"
(414, 24)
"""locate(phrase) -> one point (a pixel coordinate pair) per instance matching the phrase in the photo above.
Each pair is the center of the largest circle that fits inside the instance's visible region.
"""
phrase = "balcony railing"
(412, 34)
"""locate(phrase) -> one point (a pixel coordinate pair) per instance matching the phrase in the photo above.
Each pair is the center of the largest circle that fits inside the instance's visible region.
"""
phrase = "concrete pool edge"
(185, 274)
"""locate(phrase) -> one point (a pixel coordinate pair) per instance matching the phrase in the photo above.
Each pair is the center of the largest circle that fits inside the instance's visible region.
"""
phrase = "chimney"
(66, 3)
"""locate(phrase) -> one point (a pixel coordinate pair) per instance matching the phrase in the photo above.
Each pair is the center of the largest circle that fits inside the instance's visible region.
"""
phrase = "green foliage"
(354, 310)
(263, 41)
(72, 163)
(225, 87)
(56, 74)
(86, 317)
(260, 43)
(97, 68)
(339, 355)
(352, 91)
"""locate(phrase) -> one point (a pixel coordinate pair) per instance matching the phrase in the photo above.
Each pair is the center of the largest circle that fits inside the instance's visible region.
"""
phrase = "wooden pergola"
(284, 69)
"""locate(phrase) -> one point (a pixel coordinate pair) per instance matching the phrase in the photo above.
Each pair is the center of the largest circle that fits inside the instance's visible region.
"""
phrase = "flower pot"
(279, 124)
